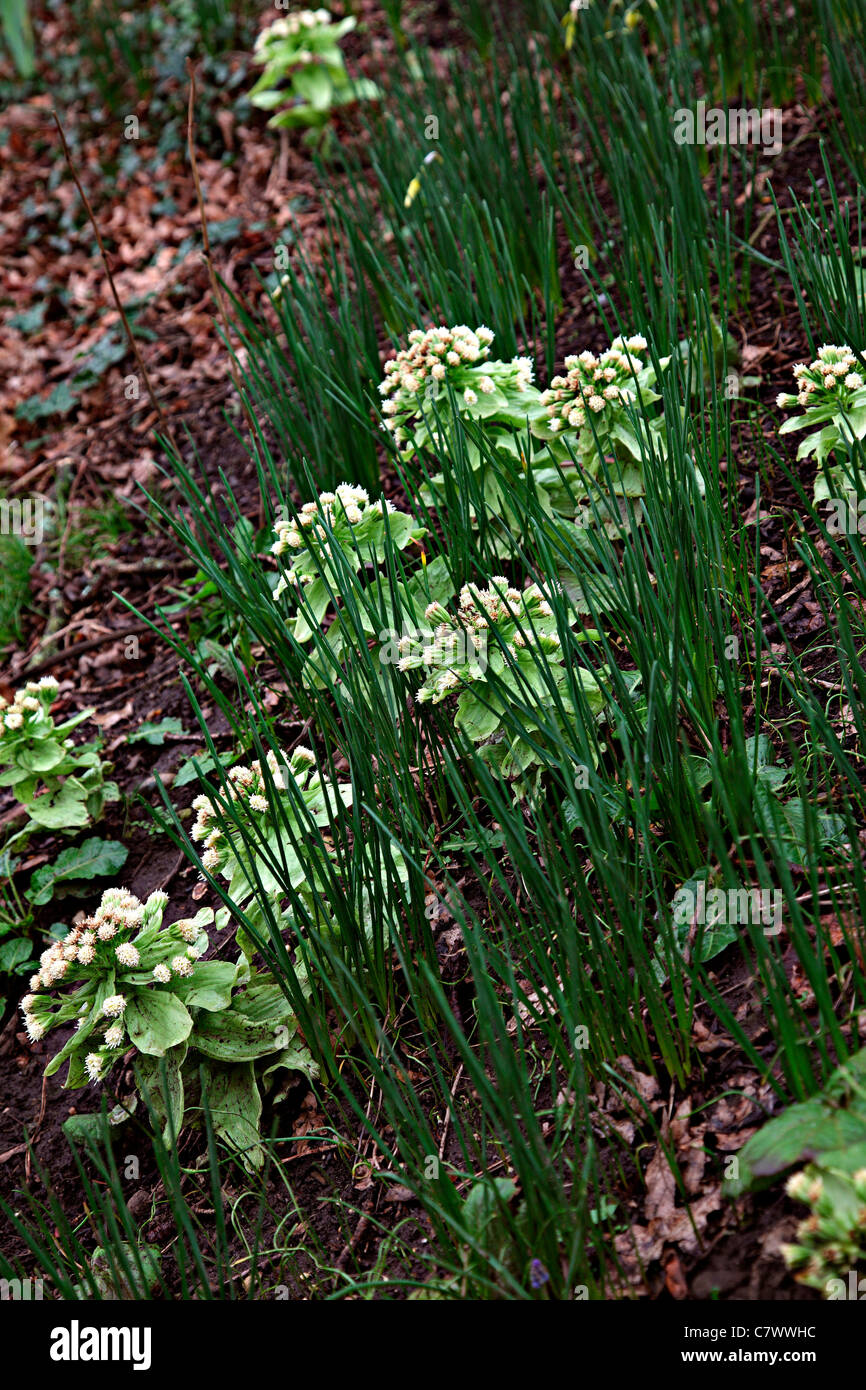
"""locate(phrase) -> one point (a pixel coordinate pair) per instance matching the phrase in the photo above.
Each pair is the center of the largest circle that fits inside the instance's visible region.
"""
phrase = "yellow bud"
(412, 192)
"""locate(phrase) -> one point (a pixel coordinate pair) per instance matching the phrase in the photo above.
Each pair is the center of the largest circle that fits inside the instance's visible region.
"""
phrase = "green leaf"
(59, 402)
(125, 1272)
(475, 719)
(19, 35)
(161, 1080)
(314, 85)
(817, 1130)
(711, 937)
(65, 811)
(13, 777)
(95, 1129)
(257, 1024)
(804, 1131)
(86, 1129)
(186, 772)
(316, 601)
(42, 755)
(297, 1057)
(155, 734)
(235, 1106)
(14, 953)
(92, 859)
(209, 987)
(156, 1020)
(484, 1203)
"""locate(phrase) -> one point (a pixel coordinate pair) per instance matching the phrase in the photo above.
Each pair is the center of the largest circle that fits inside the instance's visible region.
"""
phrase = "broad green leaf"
(65, 811)
(484, 1203)
(296, 1057)
(163, 1082)
(475, 719)
(14, 953)
(235, 1106)
(92, 859)
(125, 1271)
(259, 1022)
(154, 734)
(209, 987)
(156, 1021)
(315, 86)
(42, 755)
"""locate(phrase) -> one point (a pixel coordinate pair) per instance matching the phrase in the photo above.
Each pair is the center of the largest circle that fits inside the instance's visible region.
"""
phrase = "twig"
(177, 865)
(80, 647)
(448, 1113)
(132, 343)
(80, 621)
(41, 1116)
(352, 1245)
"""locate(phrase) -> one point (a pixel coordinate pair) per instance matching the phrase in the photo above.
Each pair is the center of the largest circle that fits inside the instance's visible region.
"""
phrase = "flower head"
(93, 1066)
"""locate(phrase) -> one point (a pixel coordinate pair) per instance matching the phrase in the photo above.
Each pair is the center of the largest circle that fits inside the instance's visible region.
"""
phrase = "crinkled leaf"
(156, 1020)
(235, 1106)
(163, 1084)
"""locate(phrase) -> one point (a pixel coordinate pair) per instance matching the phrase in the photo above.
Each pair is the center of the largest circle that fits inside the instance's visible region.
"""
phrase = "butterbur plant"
(302, 51)
(138, 983)
(832, 393)
(131, 975)
(342, 556)
(345, 521)
(59, 785)
(442, 361)
(258, 837)
(500, 651)
(831, 1241)
(445, 385)
(606, 401)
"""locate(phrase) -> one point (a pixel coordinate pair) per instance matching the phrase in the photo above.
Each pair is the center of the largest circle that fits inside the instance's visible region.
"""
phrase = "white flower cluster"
(307, 538)
(118, 913)
(594, 383)
(456, 650)
(35, 698)
(247, 786)
(100, 947)
(430, 355)
(440, 356)
(292, 24)
(348, 504)
(830, 379)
